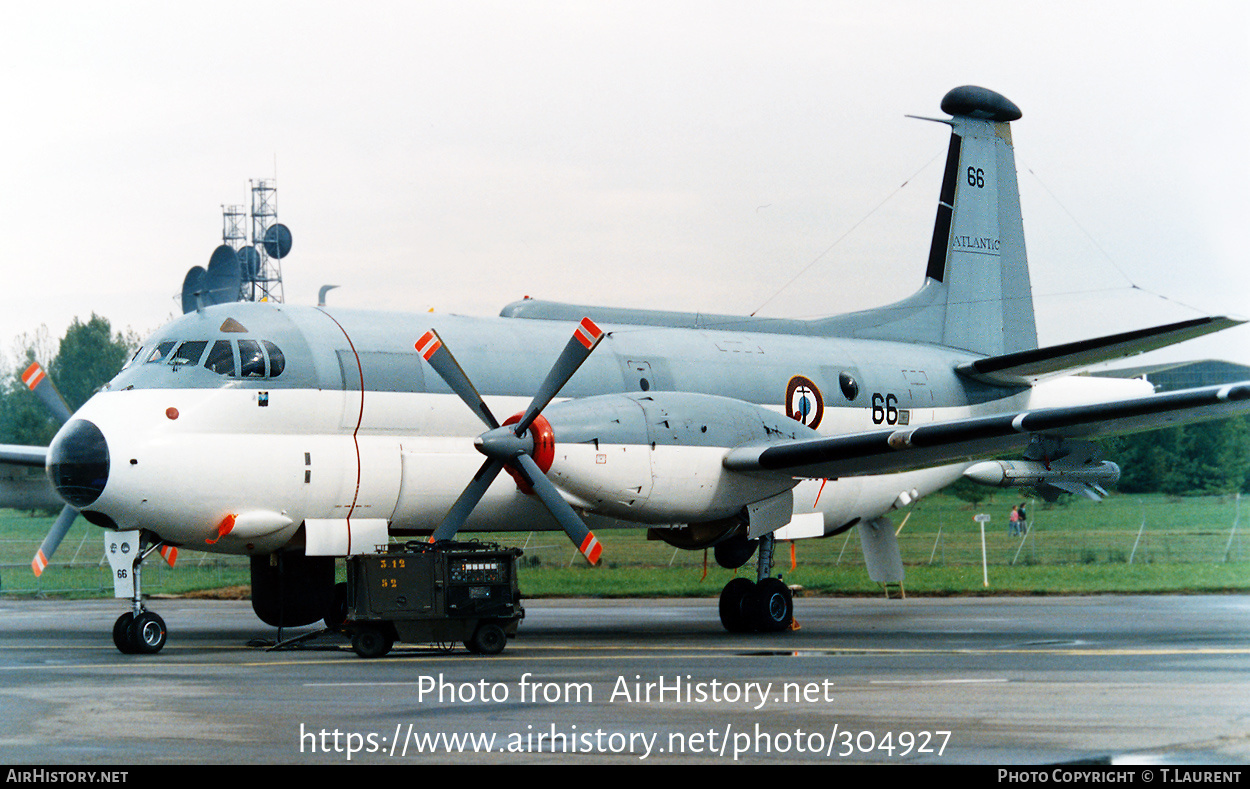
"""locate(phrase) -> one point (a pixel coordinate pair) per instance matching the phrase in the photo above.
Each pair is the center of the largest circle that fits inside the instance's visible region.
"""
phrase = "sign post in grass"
(983, 519)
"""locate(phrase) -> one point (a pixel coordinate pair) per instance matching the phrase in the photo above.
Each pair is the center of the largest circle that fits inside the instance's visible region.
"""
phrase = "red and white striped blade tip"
(591, 548)
(428, 345)
(33, 376)
(588, 333)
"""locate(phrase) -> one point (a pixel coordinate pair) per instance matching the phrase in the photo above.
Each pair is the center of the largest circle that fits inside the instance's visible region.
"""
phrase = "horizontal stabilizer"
(960, 440)
(1027, 367)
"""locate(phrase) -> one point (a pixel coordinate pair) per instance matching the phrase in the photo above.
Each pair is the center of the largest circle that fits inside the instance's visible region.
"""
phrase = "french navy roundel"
(803, 402)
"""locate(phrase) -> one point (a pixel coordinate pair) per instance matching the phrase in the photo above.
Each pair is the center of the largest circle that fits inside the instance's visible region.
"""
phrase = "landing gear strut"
(764, 605)
(139, 631)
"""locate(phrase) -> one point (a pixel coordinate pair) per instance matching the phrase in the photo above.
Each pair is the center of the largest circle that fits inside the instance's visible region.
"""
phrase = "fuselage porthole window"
(251, 359)
(277, 362)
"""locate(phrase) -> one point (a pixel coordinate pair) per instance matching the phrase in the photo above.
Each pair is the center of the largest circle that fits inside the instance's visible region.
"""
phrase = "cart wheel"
(488, 639)
(371, 642)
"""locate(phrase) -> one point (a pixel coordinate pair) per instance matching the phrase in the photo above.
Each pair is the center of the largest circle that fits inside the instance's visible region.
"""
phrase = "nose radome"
(78, 462)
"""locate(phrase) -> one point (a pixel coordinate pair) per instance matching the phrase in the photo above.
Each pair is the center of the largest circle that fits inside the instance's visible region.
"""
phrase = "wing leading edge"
(923, 446)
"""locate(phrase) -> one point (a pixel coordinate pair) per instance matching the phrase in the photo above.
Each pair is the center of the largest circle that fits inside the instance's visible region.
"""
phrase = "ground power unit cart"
(418, 592)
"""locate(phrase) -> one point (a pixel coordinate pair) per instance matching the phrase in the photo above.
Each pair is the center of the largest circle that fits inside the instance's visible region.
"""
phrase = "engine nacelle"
(656, 457)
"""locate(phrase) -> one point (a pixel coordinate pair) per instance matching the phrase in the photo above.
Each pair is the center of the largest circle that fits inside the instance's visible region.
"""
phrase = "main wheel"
(733, 610)
(147, 633)
(122, 635)
(488, 639)
(771, 606)
(372, 642)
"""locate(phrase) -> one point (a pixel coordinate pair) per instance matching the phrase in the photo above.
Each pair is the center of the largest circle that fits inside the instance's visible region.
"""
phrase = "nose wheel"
(139, 631)
(139, 635)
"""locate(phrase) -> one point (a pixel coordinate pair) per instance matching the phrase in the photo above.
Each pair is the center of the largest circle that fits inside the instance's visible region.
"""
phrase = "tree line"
(86, 358)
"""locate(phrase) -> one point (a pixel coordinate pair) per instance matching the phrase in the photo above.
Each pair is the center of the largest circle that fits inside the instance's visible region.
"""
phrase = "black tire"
(371, 642)
(771, 606)
(733, 605)
(488, 639)
(147, 633)
(122, 635)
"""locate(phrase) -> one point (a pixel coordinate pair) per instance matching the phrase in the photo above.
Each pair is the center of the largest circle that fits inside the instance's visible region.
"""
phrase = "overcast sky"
(675, 155)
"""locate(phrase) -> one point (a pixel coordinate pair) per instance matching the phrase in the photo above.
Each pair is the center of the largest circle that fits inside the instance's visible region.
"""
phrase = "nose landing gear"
(139, 631)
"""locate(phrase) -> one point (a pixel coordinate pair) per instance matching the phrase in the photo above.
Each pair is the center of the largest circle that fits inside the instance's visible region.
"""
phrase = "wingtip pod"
(980, 103)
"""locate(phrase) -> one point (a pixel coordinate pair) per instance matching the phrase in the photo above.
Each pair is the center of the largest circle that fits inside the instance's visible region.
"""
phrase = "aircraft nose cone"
(78, 462)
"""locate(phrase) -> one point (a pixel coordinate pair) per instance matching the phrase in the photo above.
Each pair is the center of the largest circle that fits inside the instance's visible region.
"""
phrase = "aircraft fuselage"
(275, 415)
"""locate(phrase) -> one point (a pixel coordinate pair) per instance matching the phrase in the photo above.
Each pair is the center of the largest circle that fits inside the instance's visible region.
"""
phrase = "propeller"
(508, 446)
(49, 545)
(37, 380)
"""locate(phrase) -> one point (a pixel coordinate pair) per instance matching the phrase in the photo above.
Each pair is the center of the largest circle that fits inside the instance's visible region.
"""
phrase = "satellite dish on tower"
(193, 290)
(249, 259)
(277, 241)
(224, 280)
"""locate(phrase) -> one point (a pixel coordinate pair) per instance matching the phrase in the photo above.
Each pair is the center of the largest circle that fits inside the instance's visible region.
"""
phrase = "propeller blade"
(459, 512)
(432, 349)
(584, 340)
(50, 543)
(37, 380)
(578, 532)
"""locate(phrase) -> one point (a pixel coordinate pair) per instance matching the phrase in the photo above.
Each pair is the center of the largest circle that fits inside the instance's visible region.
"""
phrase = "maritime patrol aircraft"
(299, 435)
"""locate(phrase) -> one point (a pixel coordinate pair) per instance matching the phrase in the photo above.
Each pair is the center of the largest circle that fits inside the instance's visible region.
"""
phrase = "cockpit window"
(221, 358)
(188, 353)
(256, 358)
(160, 351)
(133, 357)
(277, 362)
(252, 361)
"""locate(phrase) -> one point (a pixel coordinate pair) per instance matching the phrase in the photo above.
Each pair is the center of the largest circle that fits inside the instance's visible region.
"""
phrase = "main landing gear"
(764, 605)
(139, 631)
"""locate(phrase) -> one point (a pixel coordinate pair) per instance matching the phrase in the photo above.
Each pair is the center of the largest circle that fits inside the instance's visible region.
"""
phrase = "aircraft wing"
(1027, 367)
(16, 455)
(923, 446)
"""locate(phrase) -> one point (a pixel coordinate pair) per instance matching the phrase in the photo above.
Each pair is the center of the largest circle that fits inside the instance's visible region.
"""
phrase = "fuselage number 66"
(884, 409)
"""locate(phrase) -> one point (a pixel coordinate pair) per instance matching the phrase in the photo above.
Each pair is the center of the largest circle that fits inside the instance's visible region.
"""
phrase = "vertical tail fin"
(978, 238)
(977, 295)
